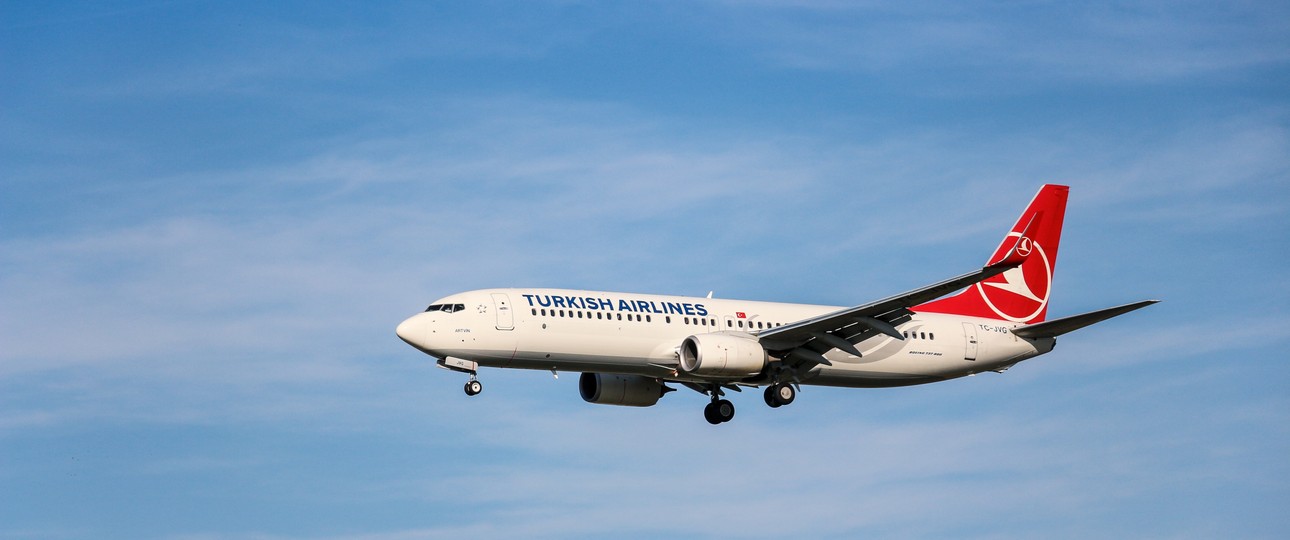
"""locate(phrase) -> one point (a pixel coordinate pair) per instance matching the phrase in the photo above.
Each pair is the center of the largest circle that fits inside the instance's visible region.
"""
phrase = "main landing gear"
(720, 410)
(473, 386)
(780, 394)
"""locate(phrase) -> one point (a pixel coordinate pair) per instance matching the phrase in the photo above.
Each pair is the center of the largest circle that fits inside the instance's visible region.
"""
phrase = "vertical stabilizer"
(1020, 294)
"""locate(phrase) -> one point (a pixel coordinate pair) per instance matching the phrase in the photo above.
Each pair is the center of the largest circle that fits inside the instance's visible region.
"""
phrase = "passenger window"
(667, 319)
(922, 335)
(729, 324)
(647, 318)
(931, 335)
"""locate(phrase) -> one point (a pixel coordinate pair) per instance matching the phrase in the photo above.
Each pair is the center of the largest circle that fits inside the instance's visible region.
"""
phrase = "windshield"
(449, 308)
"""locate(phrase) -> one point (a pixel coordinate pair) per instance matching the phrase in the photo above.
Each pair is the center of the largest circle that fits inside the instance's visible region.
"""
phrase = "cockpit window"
(449, 308)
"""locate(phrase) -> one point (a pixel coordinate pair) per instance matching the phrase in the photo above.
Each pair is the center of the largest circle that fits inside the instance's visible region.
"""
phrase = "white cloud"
(291, 256)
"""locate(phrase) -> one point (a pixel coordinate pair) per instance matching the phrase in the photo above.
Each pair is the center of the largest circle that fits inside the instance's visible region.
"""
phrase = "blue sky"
(214, 216)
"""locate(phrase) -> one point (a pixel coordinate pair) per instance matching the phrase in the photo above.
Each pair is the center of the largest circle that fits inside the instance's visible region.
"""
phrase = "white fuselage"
(608, 332)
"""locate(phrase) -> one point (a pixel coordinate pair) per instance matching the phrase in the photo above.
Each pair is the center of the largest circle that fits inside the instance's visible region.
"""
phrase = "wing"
(807, 340)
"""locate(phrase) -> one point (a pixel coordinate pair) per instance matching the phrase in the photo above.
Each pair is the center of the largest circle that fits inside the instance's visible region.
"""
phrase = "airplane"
(629, 347)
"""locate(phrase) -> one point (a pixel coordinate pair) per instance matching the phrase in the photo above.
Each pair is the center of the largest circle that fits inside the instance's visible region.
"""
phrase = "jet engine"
(627, 390)
(722, 355)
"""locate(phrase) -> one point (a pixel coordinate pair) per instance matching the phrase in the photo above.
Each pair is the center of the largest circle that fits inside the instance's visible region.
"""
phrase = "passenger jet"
(630, 347)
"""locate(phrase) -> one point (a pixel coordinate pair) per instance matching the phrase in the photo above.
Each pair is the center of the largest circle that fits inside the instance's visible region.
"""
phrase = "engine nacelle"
(626, 390)
(723, 355)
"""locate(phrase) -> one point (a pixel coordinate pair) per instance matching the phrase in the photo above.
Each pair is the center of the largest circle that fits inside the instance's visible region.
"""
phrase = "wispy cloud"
(301, 249)
(216, 219)
(1011, 43)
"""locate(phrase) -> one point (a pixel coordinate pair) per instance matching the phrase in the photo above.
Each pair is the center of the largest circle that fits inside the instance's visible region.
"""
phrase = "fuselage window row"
(586, 315)
(543, 312)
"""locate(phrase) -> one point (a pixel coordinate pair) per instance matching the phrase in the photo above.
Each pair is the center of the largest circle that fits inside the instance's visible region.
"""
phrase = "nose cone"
(413, 331)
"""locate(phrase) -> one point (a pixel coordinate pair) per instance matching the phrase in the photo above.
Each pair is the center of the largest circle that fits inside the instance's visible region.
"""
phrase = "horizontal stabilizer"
(1057, 327)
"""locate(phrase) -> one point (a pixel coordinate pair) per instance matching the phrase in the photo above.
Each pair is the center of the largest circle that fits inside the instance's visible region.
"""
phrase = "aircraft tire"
(474, 388)
(769, 396)
(710, 414)
(784, 393)
(724, 410)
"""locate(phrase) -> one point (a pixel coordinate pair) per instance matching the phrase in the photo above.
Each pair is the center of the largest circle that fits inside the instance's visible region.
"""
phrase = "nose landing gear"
(473, 386)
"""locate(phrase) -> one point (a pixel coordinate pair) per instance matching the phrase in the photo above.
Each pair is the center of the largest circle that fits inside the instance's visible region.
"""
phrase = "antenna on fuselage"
(709, 294)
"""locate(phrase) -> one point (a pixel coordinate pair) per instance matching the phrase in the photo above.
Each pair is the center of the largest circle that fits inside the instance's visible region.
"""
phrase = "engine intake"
(626, 390)
(723, 355)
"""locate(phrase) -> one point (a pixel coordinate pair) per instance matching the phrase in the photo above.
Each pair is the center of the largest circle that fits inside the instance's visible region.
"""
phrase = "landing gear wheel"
(769, 396)
(719, 411)
(784, 393)
(710, 414)
(474, 387)
(725, 410)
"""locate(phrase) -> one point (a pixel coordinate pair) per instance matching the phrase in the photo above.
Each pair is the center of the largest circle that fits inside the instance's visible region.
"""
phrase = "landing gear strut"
(720, 410)
(780, 394)
(473, 386)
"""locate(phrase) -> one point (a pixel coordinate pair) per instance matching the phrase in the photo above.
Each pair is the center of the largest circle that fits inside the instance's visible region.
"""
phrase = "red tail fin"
(1020, 294)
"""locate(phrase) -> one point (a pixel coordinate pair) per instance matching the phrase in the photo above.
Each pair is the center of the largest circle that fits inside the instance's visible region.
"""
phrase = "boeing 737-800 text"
(628, 347)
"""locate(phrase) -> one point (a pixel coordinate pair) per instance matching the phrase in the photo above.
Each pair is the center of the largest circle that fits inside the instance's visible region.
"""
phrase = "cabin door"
(969, 339)
(502, 307)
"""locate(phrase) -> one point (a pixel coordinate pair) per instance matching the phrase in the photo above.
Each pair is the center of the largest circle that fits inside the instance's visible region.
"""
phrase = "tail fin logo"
(1024, 246)
(1020, 294)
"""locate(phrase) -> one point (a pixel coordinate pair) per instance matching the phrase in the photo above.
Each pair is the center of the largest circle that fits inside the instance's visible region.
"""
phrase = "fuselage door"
(502, 306)
(969, 337)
